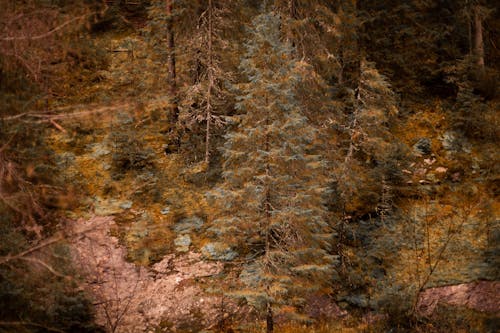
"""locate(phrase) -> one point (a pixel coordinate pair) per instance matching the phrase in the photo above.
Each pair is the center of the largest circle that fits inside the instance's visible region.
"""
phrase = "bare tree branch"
(55, 239)
(51, 117)
(48, 33)
(44, 264)
(48, 242)
(27, 323)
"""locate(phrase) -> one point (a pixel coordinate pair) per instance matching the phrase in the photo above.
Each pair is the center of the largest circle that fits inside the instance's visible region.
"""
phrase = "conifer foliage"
(370, 147)
(272, 191)
(207, 95)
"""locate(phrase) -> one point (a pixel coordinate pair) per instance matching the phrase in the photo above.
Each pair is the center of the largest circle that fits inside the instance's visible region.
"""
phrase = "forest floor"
(144, 262)
(135, 260)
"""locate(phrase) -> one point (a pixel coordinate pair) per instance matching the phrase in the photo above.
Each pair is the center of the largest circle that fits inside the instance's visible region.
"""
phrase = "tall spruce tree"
(312, 27)
(207, 98)
(370, 145)
(369, 173)
(271, 198)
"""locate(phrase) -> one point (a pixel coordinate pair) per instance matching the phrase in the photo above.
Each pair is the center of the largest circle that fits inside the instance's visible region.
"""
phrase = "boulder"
(454, 142)
(188, 224)
(182, 243)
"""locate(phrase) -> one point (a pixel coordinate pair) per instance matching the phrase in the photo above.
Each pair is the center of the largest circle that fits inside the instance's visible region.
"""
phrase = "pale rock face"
(136, 298)
(481, 296)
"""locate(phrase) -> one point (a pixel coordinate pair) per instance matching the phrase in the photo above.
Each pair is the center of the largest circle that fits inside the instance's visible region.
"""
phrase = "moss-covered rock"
(218, 251)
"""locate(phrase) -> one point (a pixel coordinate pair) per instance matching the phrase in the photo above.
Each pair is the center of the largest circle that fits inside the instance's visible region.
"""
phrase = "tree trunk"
(172, 77)
(351, 48)
(478, 38)
(292, 8)
(269, 319)
(210, 72)
(268, 209)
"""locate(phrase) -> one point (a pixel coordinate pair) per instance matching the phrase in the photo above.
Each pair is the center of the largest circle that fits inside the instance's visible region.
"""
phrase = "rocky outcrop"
(483, 296)
(130, 298)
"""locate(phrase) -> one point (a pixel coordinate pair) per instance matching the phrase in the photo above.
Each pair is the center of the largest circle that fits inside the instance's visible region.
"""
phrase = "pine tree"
(271, 198)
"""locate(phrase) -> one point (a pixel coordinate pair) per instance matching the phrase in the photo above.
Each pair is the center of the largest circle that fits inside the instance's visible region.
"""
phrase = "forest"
(249, 166)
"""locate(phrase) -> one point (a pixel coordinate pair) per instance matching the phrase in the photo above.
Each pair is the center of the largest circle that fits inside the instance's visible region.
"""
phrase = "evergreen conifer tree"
(312, 27)
(370, 144)
(271, 198)
(207, 98)
(369, 172)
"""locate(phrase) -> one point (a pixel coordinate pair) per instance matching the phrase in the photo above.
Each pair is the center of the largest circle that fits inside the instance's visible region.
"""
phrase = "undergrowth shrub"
(32, 297)
(129, 153)
(472, 114)
(448, 318)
